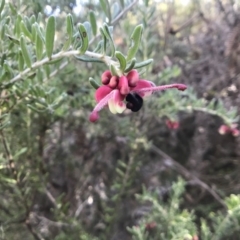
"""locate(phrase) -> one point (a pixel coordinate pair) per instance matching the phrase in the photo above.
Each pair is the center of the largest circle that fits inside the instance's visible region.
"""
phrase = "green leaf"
(13, 9)
(93, 22)
(131, 65)
(106, 8)
(94, 83)
(50, 34)
(16, 41)
(122, 60)
(143, 63)
(33, 19)
(25, 31)
(88, 28)
(17, 27)
(84, 37)
(104, 45)
(3, 30)
(20, 61)
(136, 38)
(2, 6)
(69, 26)
(115, 10)
(108, 35)
(122, 3)
(38, 31)
(113, 70)
(39, 47)
(23, 150)
(25, 52)
(67, 44)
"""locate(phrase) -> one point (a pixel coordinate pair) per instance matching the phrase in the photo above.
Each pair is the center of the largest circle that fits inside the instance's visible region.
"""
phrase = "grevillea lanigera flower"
(119, 93)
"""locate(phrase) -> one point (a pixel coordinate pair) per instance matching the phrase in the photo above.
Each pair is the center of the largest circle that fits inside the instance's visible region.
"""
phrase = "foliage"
(62, 177)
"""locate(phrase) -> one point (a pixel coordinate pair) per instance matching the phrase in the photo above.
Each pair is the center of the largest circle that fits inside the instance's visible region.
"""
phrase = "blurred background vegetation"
(167, 172)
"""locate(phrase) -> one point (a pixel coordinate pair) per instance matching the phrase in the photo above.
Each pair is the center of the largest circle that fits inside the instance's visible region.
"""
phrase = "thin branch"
(170, 162)
(115, 20)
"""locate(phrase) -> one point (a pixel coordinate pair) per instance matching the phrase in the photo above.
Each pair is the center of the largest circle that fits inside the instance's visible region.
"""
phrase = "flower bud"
(113, 82)
(94, 116)
(123, 85)
(133, 78)
(106, 76)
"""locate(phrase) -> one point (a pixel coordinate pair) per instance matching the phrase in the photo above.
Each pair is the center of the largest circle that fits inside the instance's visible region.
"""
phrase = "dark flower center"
(134, 102)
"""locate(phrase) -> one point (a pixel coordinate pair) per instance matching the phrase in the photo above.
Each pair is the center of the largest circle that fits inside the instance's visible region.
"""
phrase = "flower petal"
(116, 104)
(102, 92)
(143, 84)
(123, 85)
(133, 78)
(143, 90)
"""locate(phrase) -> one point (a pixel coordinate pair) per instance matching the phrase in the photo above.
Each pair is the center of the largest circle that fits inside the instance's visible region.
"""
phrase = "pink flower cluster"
(225, 129)
(119, 93)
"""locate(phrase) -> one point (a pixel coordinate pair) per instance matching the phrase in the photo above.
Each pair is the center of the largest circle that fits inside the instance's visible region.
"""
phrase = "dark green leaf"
(94, 83)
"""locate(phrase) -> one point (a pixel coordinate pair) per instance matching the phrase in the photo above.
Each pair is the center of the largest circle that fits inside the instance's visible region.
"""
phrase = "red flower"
(129, 88)
(172, 124)
(225, 129)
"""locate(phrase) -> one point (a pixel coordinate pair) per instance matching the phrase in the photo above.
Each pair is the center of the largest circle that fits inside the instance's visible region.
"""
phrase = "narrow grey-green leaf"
(143, 63)
(109, 37)
(50, 34)
(115, 9)
(39, 47)
(99, 46)
(106, 8)
(20, 61)
(93, 22)
(94, 83)
(135, 38)
(38, 31)
(25, 31)
(13, 9)
(131, 65)
(113, 70)
(88, 28)
(2, 6)
(122, 60)
(16, 41)
(28, 23)
(84, 38)
(33, 19)
(70, 26)
(104, 40)
(17, 27)
(25, 52)
(122, 3)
